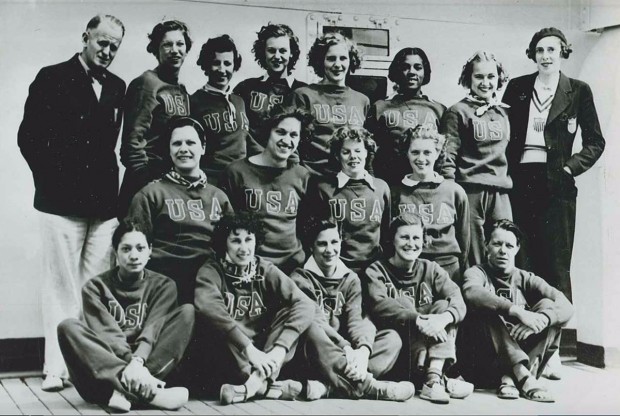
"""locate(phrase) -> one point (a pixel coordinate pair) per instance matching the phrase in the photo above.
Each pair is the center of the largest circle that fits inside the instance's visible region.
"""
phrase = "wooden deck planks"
(24, 398)
(7, 405)
(56, 404)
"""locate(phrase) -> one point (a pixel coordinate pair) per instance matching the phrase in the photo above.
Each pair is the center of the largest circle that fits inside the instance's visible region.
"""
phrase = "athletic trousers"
(546, 214)
(486, 206)
(74, 250)
(94, 368)
(492, 352)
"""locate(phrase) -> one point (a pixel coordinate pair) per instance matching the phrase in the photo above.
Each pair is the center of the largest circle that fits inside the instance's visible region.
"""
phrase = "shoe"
(230, 393)
(118, 403)
(390, 390)
(172, 398)
(316, 390)
(458, 388)
(507, 391)
(284, 390)
(536, 393)
(52, 383)
(435, 393)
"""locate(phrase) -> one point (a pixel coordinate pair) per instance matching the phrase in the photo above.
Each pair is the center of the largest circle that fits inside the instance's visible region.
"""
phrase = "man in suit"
(546, 108)
(68, 135)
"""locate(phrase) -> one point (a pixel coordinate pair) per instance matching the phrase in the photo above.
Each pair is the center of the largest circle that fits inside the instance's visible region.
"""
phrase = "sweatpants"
(492, 352)
(486, 206)
(73, 250)
(94, 368)
(418, 349)
(548, 220)
(215, 361)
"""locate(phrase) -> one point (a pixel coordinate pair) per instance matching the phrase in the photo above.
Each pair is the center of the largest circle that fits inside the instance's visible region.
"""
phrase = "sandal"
(536, 394)
(507, 391)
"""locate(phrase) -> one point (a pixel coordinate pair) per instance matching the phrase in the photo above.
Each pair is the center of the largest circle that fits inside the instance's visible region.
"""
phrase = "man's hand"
(535, 320)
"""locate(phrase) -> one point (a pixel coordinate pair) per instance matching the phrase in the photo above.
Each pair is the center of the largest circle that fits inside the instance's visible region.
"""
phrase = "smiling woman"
(152, 99)
(181, 208)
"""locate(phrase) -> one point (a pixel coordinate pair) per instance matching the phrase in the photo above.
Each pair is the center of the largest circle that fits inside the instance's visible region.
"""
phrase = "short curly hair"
(425, 132)
(273, 30)
(312, 227)
(220, 44)
(507, 225)
(316, 55)
(240, 220)
(279, 112)
(482, 56)
(395, 73)
(356, 134)
(160, 29)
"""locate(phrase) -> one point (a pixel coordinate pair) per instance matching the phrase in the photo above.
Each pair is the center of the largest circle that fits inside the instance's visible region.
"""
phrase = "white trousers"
(74, 249)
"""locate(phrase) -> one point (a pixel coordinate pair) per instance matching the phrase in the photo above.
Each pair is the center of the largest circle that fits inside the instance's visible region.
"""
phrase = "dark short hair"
(241, 220)
(176, 122)
(316, 55)
(279, 112)
(96, 21)
(128, 225)
(395, 72)
(566, 49)
(275, 31)
(220, 44)
(480, 56)
(160, 29)
(356, 134)
(402, 219)
(312, 227)
(425, 132)
(507, 225)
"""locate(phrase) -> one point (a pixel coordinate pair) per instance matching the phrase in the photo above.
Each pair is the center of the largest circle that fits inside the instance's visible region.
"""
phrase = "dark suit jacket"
(68, 138)
(572, 105)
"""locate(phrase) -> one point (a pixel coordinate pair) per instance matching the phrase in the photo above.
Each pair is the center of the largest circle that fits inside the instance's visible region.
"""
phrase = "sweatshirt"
(182, 219)
(476, 144)
(388, 120)
(444, 208)
(241, 310)
(332, 106)
(362, 209)
(149, 103)
(260, 95)
(227, 135)
(488, 291)
(274, 193)
(128, 316)
(396, 298)
(340, 300)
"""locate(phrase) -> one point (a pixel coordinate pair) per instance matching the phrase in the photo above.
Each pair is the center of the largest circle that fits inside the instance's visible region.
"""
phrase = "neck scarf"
(175, 177)
(485, 106)
(240, 274)
(226, 94)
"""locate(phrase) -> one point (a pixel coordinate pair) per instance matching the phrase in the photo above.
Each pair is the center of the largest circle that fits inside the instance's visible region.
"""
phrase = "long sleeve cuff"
(143, 350)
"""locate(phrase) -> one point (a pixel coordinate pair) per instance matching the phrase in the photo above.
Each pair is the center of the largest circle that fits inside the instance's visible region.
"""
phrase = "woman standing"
(277, 51)
(181, 209)
(477, 133)
(221, 113)
(546, 108)
(388, 119)
(332, 103)
(151, 100)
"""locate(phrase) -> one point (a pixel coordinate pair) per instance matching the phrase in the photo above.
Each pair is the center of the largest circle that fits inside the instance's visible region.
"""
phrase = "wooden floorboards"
(583, 390)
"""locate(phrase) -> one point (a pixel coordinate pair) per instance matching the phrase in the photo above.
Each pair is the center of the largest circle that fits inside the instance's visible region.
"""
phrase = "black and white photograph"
(310, 207)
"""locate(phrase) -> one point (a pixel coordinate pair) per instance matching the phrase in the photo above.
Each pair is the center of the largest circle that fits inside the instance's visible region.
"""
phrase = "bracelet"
(137, 358)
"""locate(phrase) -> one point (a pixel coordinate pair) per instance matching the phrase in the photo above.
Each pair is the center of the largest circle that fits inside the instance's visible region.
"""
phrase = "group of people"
(294, 241)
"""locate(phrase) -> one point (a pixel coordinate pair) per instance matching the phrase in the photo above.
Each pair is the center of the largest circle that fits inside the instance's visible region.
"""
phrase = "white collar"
(214, 90)
(341, 268)
(343, 179)
(408, 181)
(289, 79)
